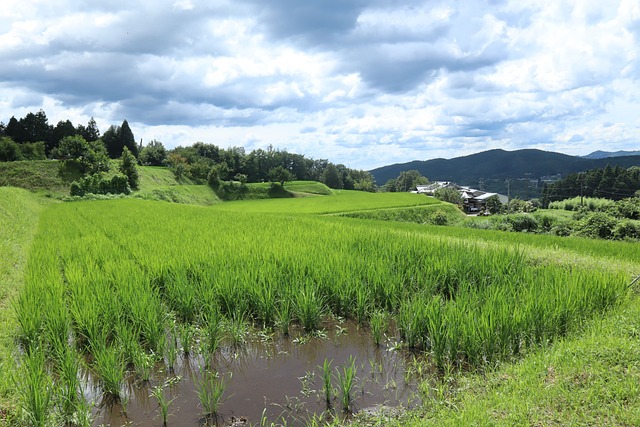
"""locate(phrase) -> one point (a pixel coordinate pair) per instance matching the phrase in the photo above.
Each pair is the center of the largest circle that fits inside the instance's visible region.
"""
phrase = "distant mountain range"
(490, 169)
(604, 154)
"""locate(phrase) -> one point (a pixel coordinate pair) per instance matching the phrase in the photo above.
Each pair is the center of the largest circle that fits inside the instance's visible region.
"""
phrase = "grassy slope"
(341, 201)
(19, 215)
(159, 183)
(40, 176)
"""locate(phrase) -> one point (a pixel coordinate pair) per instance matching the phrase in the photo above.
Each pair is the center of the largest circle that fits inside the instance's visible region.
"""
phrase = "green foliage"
(613, 183)
(331, 177)
(86, 157)
(98, 184)
(596, 225)
(494, 205)
(11, 151)
(586, 203)
(450, 195)
(280, 174)
(128, 168)
(406, 181)
(116, 138)
(153, 154)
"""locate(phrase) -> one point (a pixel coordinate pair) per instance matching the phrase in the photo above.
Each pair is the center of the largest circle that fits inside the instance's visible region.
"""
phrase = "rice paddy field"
(133, 310)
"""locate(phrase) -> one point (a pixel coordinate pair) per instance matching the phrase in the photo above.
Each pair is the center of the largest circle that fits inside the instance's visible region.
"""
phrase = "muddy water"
(278, 379)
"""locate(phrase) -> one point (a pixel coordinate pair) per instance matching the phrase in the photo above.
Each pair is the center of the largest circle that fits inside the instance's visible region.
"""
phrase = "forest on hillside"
(33, 138)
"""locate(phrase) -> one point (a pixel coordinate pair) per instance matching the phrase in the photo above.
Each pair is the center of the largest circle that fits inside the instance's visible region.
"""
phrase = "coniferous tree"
(127, 139)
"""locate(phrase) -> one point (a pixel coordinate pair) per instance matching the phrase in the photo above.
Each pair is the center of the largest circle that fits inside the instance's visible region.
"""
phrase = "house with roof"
(476, 200)
(432, 187)
(472, 200)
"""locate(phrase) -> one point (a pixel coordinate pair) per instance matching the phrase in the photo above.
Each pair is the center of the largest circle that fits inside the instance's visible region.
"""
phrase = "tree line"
(615, 183)
(33, 138)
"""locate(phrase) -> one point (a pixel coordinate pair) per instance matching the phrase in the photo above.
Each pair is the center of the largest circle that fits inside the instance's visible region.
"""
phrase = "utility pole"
(508, 196)
(581, 190)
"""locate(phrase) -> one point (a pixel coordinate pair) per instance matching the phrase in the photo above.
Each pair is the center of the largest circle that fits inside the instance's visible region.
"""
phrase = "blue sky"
(364, 83)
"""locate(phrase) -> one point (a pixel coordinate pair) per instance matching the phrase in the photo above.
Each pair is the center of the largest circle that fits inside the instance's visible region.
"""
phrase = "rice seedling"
(171, 350)
(212, 331)
(109, 364)
(163, 404)
(35, 388)
(237, 329)
(379, 324)
(327, 388)
(346, 378)
(143, 364)
(210, 389)
(68, 391)
(187, 335)
(309, 309)
(284, 315)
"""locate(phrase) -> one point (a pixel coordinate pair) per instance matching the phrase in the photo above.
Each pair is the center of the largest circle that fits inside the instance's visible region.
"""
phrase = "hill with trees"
(489, 170)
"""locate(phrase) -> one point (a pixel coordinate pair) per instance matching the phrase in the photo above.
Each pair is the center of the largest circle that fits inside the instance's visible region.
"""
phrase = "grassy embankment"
(19, 216)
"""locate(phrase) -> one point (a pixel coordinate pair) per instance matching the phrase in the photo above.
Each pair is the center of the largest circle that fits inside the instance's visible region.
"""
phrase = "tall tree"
(127, 139)
(111, 139)
(90, 132)
(62, 129)
(331, 177)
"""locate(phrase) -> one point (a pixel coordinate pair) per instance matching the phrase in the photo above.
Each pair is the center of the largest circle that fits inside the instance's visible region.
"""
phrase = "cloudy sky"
(360, 82)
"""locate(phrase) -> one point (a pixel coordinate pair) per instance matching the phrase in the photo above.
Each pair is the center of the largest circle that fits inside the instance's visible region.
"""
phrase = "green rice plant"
(212, 329)
(109, 364)
(187, 335)
(127, 338)
(363, 304)
(30, 317)
(265, 302)
(309, 308)
(210, 389)
(143, 364)
(284, 315)
(379, 323)
(346, 378)
(68, 391)
(35, 388)
(171, 350)
(163, 403)
(237, 330)
(326, 381)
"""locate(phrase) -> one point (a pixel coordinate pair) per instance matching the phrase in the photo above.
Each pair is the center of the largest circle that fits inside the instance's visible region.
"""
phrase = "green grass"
(37, 176)
(19, 215)
(183, 194)
(341, 201)
(158, 176)
(304, 188)
(436, 214)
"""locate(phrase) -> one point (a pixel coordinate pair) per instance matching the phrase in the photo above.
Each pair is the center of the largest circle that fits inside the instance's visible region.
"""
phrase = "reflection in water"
(274, 378)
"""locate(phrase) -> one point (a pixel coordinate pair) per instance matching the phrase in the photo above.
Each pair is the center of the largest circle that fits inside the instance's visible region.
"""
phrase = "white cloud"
(360, 83)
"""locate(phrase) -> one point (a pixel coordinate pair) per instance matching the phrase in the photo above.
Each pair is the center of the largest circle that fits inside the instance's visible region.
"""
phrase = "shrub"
(627, 229)
(523, 222)
(597, 224)
(97, 184)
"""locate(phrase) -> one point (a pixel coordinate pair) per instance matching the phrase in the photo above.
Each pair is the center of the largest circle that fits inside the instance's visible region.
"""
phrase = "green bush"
(523, 222)
(97, 184)
(596, 225)
(627, 230)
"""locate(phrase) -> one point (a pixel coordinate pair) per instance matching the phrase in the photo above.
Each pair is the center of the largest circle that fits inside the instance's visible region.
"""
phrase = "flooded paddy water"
(273, 379)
